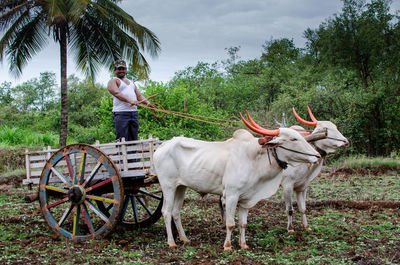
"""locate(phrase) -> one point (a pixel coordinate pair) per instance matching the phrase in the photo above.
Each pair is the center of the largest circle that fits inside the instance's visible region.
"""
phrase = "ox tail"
(221, 208)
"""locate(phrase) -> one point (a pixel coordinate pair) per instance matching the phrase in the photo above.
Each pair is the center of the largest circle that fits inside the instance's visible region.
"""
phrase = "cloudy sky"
(199, 30)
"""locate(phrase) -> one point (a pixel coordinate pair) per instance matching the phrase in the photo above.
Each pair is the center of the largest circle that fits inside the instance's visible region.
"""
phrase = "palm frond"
(8, 4)
(94, 44)
(27, 43)
(147, 40)
(10, 12)
(13, 31)
(77, 9)
(140, 67)
(56, 10)
(99, 32)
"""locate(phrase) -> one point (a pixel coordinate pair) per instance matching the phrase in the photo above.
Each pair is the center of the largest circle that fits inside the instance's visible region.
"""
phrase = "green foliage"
(98, 33)
(111, 32)
(105, 118)
(5, 93)
(205, 80)
(362, 38)
(362, 161)
(348, 74)
(36, 93)
(84, 97)
(11, 159)
(180, 98)
(14, 136)
(340, 235)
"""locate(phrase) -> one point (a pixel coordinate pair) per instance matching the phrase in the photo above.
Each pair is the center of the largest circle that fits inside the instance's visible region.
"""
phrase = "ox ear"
(264, 140)
(271, 143)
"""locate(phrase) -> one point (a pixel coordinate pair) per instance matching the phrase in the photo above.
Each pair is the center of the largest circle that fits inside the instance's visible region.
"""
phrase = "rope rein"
(186, 115)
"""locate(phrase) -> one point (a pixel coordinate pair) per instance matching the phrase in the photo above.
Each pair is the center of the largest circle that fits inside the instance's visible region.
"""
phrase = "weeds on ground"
(338, 236)
(363, 161)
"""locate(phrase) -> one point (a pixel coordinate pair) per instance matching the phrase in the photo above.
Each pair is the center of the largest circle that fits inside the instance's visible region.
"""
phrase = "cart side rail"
(132, 158)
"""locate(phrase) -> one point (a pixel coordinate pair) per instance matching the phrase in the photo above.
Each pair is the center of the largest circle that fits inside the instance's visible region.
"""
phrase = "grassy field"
(343, 232)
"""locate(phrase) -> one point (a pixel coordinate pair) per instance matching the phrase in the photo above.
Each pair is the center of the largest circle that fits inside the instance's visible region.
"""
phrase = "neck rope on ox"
(281, 163)
(284, 164)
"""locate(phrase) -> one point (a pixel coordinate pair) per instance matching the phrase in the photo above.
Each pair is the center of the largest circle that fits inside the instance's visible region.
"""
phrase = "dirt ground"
(344, 231)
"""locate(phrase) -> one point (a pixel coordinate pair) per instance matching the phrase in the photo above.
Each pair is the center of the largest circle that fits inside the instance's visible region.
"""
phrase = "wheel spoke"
(92, 174)
(98, 212)
(69, 165)
(63, 178)
(141, 209)
(99, 198)
(109, 207)
(65, 215)
(87, 219)
(144, 206)
(134, 207)
(76, 221)
(125, 207)
(82, 168)
(99, 184)
(48, 187)
(150, 194)
(57, 202)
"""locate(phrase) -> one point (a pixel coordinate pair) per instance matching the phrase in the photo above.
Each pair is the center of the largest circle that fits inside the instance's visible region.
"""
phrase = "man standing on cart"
(126, 96)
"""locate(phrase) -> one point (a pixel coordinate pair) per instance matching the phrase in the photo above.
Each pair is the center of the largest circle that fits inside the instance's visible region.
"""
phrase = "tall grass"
(15, 136)
(363, 161)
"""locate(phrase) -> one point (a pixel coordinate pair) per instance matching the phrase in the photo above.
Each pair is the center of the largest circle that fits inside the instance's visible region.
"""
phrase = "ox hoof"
(186, 241)
(228, 249)
(308, 229)
(290, 232)
(244, 247)
(172, 245)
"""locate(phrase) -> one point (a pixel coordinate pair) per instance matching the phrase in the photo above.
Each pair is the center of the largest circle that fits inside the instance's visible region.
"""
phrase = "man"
(126, 96)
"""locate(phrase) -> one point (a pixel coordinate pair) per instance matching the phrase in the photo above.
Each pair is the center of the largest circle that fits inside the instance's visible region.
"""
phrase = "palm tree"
(97, 31)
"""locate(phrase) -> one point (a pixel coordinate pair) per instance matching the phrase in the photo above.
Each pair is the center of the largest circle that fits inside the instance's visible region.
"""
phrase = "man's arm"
(113, 89)
(141, 98)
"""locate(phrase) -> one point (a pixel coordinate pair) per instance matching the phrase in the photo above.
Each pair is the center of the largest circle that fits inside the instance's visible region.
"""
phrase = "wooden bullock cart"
(85, 190)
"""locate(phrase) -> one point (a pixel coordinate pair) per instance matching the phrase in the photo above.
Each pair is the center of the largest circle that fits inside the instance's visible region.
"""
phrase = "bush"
(11, 158)
(15, 136)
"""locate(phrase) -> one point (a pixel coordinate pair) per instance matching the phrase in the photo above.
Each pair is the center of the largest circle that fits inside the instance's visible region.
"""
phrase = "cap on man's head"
(119, 63)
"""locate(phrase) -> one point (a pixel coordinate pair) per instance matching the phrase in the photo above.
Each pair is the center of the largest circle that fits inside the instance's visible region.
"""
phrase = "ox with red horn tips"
(314, 120)
(258, 129)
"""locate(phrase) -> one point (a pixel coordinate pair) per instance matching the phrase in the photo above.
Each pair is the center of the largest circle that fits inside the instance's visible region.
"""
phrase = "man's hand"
(134, 102)
(150, 105)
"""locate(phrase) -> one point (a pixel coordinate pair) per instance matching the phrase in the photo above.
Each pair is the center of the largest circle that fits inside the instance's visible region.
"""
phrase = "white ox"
(298, 178)
(239, 169)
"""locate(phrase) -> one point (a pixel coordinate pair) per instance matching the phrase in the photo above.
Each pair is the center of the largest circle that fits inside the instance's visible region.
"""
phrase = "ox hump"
(242, 135)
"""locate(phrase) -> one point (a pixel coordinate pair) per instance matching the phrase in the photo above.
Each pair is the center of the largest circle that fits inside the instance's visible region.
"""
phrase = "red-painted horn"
(311, 115)
(313, 123)
(252, 121)
(260, 130)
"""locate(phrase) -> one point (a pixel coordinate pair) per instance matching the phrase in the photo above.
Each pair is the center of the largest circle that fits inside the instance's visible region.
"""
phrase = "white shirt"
(128, 91)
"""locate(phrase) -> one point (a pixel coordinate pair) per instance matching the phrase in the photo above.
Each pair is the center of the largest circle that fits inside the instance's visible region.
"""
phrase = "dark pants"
(126, 125)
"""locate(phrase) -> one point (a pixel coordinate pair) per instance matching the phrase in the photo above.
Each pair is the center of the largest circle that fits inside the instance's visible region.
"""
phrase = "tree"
(362, 38)
(97, 31)
(36, 94)
(5, 93)
(363, 41)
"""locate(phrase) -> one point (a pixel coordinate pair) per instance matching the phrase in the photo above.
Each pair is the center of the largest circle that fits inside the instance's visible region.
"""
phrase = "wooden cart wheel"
(72, 181)
(141, 208)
